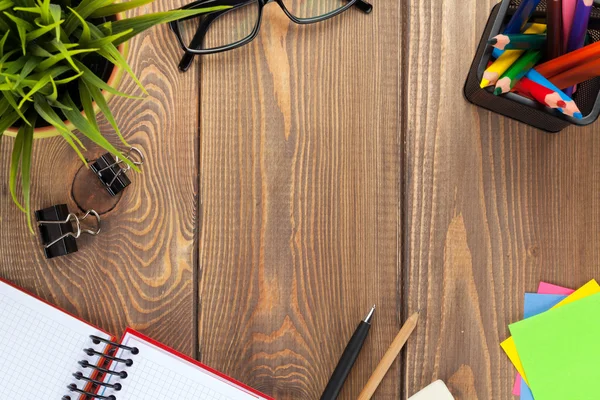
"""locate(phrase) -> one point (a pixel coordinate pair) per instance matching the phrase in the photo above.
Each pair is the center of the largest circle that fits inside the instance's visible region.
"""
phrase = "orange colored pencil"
(580, 73)
(569, 60)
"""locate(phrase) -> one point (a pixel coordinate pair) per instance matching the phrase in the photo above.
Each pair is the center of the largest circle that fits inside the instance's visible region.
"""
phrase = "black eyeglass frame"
(362, 5)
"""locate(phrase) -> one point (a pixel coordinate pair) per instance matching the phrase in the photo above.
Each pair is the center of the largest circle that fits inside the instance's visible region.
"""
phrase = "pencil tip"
(497, 91)
(493, 41)
(561, 103)
(484, 83)
(578, 115)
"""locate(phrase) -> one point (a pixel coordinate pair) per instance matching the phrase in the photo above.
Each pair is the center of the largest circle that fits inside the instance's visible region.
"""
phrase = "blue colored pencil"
(571, 108)
(521, 16)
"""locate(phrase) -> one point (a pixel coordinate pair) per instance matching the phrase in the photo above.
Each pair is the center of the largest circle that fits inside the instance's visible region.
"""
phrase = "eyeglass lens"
(224, 28)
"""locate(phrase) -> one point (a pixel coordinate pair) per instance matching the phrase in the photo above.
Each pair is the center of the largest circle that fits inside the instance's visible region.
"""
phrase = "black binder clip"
(56, 229)
(112, 171)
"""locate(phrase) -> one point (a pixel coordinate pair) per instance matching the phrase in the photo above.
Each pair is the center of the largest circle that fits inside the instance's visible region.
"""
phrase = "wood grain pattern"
(492, 205)
(300, 194)
(140, 271)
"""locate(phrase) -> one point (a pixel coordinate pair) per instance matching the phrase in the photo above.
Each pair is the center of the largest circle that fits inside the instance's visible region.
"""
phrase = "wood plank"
(140, 271)
(493, 207)
(300, 190)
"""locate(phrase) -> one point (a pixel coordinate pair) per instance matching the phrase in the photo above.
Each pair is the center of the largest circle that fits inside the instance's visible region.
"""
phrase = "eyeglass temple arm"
(364, 6)
(198, 39)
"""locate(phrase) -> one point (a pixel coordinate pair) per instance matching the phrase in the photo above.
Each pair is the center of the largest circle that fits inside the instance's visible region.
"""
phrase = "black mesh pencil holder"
(512, 105)
(90, 385)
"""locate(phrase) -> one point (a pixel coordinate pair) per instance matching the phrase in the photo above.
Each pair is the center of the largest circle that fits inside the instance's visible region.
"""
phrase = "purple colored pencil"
(579, 27)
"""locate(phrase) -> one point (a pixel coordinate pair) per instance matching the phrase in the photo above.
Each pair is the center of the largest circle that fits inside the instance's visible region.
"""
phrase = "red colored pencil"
(540, 93)
(570, 60)
(578, 74)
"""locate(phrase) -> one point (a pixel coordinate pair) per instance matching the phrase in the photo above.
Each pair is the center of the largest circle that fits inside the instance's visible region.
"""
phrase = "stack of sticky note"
(556, 348)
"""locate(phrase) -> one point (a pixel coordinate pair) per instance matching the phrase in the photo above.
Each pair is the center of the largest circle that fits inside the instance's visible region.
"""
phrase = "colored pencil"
(516, 71)
(580, 24)
(554, 44)
(568, 11)
(518, 41)
(581, 20)
(569, 60)
(507, 58)
(580, 73)
(540, 93)
(521, 16)
(571, 109)
(532, 29)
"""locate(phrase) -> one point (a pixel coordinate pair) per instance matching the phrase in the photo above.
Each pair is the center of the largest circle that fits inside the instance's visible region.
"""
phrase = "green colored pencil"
(516, 71)
(518, 41)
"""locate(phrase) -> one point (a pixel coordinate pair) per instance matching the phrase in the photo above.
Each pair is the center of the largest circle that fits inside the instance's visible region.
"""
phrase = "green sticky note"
(560, 351)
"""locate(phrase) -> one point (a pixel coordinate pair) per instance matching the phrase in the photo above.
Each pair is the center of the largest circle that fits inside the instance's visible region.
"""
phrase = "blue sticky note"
(525, 391)
(536, 304)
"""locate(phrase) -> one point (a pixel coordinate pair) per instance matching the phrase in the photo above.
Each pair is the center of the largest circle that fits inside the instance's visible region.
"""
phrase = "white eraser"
(436, 391)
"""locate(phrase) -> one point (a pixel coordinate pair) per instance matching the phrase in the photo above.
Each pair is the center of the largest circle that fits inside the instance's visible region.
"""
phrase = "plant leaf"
(86, 101)
(96, 94)
(36, 88)
(44, 65)
(86, 35)
(26, 170)
(84, 9)
(83, 125)
(47, 113)
(92, 80)
(11, 100)
(114, 9)
(14, 166)
(3, 42)
(31, 36)
(22, 27)
(143, 22)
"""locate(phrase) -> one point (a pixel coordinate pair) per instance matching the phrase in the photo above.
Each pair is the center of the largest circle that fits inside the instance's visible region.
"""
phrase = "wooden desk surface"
(293, 183)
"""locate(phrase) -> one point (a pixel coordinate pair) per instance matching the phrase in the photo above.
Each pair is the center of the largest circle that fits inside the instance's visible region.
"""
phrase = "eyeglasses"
(224, 30)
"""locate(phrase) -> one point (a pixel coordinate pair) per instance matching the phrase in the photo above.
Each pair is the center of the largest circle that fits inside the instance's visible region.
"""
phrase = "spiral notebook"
(46, 353)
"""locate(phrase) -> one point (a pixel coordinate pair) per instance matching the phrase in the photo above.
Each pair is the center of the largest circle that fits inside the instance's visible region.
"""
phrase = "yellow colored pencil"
(501, 65)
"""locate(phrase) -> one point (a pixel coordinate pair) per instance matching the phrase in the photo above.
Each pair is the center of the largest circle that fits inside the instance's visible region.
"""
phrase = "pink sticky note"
(548, 288)
(543, 288)
(517, 387)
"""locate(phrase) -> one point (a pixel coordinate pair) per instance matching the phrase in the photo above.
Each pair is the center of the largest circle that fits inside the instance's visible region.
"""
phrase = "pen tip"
(369, 316)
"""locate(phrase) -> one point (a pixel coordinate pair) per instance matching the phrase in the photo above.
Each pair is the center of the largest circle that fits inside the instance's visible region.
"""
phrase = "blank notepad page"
(39, 347)
(159, 374)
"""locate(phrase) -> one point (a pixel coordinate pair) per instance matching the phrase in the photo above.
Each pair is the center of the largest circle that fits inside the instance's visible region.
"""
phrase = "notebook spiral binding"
(101, 371)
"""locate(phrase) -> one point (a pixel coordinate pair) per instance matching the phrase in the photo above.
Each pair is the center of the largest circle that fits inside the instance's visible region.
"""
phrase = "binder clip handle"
(78, 231)
(112, 170)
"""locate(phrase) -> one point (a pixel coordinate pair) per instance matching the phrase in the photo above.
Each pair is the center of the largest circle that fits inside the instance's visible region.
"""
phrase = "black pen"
(341, 371)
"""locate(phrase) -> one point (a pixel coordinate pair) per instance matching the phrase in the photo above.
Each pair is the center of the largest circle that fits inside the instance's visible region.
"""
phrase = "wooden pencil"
(554, 44)
(580, 24)
(578, 74)
(539, 93)
(569, 60)
(571, 109)
(506, 59)
(518, 41)
(521, 16)
(388, 359)
(568, 11)
(516, 71)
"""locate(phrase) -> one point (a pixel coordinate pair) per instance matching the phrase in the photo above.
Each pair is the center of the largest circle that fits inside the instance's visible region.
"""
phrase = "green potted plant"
(60, 61)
